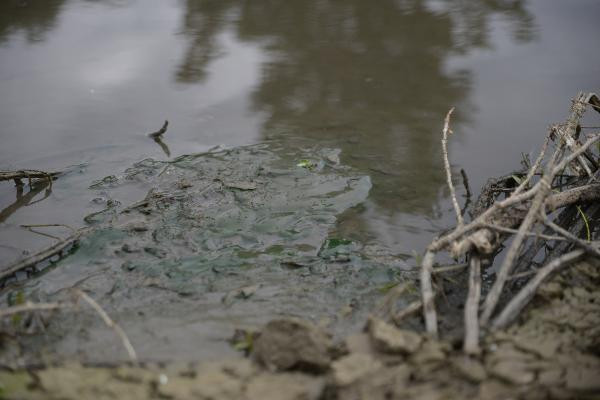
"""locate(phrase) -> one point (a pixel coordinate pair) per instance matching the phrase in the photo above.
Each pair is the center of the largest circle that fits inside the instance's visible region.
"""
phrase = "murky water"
(83, 82)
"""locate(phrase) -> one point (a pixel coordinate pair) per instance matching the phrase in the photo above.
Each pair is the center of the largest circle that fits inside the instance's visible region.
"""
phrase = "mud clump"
(286, 344)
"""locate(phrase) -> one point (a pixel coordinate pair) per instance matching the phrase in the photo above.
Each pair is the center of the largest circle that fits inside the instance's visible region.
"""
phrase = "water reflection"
(26, 199)
(371, 79)
(32, 17)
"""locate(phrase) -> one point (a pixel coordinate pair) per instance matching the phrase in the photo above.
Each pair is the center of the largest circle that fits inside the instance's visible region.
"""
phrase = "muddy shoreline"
(551, 353)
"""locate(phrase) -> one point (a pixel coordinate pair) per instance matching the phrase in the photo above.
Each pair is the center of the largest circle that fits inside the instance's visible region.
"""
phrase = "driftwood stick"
(465, 178)
(533, 234)
(41, 256)
(471, 342)
(73, 230)
(110, 323)
(449, 268)
(543, 189)
(427, 295)
(29, 306)
(581, 194)
(562, 165)
(536, 165)
(514, 307)
(28, 174)
(445, 133)
(407, 311)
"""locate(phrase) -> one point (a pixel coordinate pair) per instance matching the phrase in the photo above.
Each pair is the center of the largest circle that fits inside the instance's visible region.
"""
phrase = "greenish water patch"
(220, 241)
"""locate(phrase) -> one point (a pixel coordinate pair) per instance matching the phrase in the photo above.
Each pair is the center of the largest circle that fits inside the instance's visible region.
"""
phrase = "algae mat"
(221, 241)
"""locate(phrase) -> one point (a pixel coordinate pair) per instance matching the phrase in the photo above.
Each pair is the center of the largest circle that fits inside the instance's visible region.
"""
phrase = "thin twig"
(466, 183)
(543, 188)
(581, 243)
(518, 302)
(407, 311)
(471, 342)
(110, 323)
(73, 230)
(445, 133)
(42, 255)
(29, 306)
(512, 231)
(535, 166)
(429, 313)
(574, 155)
(449, 268)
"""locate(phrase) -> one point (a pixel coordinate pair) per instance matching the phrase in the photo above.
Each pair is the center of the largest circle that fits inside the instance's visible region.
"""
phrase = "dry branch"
(518, 214)
(428, 295)
(42, 255)
(445, 133)
(29, 306)
(471, 342)
(29, 174)
(514, 307)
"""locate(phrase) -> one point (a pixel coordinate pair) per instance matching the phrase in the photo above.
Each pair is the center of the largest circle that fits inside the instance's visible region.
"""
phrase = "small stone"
(393, 340)
(291, 343)
(350, 368)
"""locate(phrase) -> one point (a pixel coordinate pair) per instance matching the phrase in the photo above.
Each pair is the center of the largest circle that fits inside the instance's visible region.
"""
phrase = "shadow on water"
(26, 199)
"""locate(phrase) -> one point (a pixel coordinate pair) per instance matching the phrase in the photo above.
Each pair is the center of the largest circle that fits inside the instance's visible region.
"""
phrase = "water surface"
(83, 82)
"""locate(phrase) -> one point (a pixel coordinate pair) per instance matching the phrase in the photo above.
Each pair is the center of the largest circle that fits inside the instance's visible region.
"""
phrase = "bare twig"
(110, 323)
(445, 133)
(514, 307)
(449, 268)
(512, 231)
(28, 174)
(535, 166)
(42, 255)
(471, 342)
(466, 183)
(543, 188)
(429, 313)
(29, 306)
(73, 230)
(558, 168)
(407, 311)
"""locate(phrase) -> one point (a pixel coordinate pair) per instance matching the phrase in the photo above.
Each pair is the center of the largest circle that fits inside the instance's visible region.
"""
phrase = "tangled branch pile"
(517, 209)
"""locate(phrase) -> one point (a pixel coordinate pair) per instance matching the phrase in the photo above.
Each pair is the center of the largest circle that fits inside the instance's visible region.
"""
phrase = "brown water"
(82, 82)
